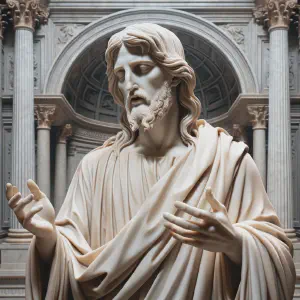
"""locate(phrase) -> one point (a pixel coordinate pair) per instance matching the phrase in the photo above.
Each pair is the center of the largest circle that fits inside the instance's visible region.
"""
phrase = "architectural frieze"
(27, 13)
(44, 114)
(259, 115)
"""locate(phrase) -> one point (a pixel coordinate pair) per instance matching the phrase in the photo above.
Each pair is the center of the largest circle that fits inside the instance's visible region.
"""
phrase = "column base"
(291, 234)
(18, 236)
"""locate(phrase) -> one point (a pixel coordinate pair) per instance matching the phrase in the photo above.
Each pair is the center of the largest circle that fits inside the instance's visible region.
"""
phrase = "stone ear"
(175, 81)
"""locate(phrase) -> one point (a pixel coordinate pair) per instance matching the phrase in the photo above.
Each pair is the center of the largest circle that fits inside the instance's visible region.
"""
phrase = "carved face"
(145, 88)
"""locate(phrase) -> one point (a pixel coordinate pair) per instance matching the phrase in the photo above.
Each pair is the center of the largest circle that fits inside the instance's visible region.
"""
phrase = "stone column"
(279, 147)
(2, 232)
(259, 125)
(60, 184)
(25, 13)
(44, 115)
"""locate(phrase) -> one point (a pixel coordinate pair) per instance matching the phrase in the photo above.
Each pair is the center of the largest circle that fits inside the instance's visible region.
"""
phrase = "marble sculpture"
(169, 208)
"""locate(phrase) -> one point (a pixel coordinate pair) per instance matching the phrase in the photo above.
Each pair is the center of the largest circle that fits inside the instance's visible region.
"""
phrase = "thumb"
(214, 203)
(34, 189)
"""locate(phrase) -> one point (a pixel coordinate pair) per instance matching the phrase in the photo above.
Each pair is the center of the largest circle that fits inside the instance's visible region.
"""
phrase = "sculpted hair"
(167, 51)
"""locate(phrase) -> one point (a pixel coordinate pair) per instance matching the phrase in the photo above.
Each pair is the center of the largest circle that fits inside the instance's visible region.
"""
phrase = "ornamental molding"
(95, 135)
(27, 13)
(259, 114)
(275, 14)
(64, 134)
(44, 114)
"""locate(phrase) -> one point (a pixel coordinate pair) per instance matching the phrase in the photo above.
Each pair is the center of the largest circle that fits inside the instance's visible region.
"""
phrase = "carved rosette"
(44, 114)
(27, 13)
(65, 133)
(259, 115)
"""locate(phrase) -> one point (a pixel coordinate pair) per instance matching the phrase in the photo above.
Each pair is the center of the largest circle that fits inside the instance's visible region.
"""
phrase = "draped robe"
(112, 243)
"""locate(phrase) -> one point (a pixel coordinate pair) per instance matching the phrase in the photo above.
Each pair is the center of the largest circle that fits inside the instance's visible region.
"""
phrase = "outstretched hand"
(35, 212)
(212, 231)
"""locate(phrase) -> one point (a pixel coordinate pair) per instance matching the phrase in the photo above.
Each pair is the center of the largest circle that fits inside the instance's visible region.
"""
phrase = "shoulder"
(96, 157)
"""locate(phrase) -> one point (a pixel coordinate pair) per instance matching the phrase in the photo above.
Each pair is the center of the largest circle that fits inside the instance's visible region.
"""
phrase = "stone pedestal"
(12, 271)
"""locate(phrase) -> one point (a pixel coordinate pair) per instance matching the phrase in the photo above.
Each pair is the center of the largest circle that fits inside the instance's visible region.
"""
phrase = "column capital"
(27, 13)
(44, 114)
(64, 134)
(259, 113)
(275, 14)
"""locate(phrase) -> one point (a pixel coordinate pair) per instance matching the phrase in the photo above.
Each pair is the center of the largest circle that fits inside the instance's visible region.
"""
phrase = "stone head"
(145, 65)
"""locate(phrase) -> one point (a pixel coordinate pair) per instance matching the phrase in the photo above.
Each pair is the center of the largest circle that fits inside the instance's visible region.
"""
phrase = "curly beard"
(158, 108)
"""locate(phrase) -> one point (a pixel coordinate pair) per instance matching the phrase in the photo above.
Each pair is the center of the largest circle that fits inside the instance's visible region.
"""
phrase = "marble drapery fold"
(112, 243)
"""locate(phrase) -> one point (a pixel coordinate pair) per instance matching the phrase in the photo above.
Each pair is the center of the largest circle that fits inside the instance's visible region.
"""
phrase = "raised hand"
(212, 231)
(35, 212)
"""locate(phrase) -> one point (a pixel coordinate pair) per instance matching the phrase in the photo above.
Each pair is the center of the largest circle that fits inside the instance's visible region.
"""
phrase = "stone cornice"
(259, 114)
(44, 114)
(64, 134)
(27, 13)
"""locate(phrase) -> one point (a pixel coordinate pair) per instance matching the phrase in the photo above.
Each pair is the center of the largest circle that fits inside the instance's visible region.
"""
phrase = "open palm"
(35, 212)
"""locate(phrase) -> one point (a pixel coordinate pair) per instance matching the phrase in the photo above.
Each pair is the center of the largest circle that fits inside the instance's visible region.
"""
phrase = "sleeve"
(267, 270)
(72, 225)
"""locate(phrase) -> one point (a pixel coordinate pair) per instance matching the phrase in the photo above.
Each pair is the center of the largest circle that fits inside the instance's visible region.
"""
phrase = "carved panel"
(6, 175)
(65, 32)
(237, 33)
(266, 65)
(37, 64)
(9, 67)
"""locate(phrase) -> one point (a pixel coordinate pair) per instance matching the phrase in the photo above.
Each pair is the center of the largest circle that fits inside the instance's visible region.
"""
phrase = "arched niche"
(222, 70)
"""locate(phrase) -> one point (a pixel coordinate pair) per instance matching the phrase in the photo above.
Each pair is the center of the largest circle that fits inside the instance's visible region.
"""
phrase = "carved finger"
(14, 200)
(185, 240)
(214, 203)
(34, 189)
(184, 232)
(31, 214)
(196, 212)
(22, 203)
(183, 223)
(9, 191)
(15, 190)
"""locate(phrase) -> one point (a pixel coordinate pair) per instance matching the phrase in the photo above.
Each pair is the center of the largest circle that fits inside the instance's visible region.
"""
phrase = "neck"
(164, 137)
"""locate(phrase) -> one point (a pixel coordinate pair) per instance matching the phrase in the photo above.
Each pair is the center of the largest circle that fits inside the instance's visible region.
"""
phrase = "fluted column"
(25, 13)
(60, 184)
(44, 115)
(2, 233)
(259, 126)
(279, 148)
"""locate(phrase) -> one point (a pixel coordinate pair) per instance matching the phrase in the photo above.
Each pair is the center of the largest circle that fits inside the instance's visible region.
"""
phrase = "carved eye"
(121, 75)
(143, 69)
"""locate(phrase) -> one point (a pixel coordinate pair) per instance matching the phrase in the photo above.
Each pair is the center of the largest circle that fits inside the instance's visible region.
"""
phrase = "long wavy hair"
(164, 47)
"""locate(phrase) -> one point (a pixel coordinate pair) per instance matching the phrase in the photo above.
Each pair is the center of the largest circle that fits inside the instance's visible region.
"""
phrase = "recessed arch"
(168, 17)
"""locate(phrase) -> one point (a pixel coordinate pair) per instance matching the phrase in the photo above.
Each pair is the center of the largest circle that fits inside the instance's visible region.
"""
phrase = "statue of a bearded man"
(169, 208)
